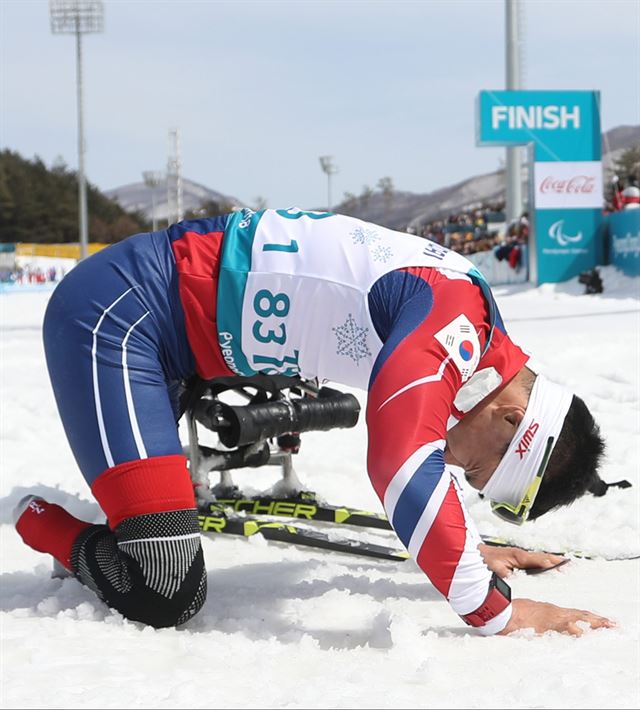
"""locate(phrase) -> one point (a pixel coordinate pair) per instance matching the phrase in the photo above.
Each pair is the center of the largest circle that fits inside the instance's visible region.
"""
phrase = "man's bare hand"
(541, 617)
(503, 560)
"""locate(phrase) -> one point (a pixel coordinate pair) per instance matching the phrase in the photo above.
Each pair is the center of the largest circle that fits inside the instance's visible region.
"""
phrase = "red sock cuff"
(51, 529)
(153, 485)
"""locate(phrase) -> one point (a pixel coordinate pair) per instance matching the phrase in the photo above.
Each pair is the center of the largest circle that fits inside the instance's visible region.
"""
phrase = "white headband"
(543, 418)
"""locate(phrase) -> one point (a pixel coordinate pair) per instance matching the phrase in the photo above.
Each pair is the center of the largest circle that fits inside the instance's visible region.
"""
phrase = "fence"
(501, 272)
(26, 266)
(623, 234)
(56, 251)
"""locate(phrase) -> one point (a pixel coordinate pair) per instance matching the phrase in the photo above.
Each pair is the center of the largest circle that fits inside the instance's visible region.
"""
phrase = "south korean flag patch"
(460, 340)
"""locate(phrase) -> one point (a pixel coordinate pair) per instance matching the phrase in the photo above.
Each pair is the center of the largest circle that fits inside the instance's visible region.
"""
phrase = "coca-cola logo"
(576, 185)
(525, 443)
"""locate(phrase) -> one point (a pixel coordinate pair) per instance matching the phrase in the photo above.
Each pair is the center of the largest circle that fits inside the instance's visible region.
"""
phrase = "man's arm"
(413, 386)
(410, 400)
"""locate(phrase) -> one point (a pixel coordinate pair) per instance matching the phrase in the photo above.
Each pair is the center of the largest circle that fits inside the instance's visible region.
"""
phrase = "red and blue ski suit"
(129, 324)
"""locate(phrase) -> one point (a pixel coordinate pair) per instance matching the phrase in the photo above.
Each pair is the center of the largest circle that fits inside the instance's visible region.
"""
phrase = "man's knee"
(148, 606)
(150, 568)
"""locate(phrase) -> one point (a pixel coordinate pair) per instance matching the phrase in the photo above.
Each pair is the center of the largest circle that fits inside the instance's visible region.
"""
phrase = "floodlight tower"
(78, 17)
(153, 178)
(326, 163)
(513, 73)
(174, 175)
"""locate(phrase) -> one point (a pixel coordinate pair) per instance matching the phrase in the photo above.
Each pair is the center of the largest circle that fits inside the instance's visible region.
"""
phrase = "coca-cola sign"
(568, 184)
(578, 183)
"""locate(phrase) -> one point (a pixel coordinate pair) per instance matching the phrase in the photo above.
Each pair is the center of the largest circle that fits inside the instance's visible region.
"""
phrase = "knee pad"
(150, 568)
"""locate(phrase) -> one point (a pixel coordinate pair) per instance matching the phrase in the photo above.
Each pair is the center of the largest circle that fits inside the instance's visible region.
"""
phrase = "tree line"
(351, 203)
(40, 204)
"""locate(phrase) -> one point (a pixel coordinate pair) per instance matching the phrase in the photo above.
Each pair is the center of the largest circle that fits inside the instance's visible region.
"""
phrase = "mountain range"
(153, 202)
(397, 210)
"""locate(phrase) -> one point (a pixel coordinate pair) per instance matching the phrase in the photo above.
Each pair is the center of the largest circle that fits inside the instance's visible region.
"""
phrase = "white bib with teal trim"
(293, 291)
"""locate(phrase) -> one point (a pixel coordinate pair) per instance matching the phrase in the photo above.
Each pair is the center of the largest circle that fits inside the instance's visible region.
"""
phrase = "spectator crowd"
(31, 274)
(623, 196)
(480, 228)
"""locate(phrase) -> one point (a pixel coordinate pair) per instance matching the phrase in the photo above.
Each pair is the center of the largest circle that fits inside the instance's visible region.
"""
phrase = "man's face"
(477, 444)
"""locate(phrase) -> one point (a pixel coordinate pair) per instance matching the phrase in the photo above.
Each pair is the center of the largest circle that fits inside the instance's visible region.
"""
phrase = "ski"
(289, 407)
(215, 518)
(505, 542)
(306, 506)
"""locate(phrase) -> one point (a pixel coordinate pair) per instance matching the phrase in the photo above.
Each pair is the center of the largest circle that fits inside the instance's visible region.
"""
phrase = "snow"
(288, 627)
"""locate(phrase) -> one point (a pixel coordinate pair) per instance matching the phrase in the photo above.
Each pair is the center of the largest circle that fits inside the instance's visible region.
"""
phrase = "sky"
(290, 627)
(260, 89)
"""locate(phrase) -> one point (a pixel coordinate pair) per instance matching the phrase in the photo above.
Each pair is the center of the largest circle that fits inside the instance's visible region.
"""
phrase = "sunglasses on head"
(518, 514)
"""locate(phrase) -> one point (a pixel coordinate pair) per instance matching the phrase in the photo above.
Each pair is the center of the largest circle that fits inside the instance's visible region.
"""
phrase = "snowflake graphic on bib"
(370, 239)
(352, 340)
(364, 236)
(382, 253)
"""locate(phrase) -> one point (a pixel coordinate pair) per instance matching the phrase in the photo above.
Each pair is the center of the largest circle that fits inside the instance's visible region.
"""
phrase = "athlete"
(315, 295)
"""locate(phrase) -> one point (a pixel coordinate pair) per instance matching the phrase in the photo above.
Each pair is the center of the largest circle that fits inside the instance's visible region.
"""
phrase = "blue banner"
(624, 241)
(562, 125)
(565, 242)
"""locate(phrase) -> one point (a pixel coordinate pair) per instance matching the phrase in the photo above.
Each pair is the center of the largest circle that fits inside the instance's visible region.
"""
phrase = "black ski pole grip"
(266, 420)
(330, 410)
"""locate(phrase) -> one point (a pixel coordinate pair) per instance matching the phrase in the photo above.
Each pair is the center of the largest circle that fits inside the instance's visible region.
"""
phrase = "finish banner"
(562, 125)
(565, 172)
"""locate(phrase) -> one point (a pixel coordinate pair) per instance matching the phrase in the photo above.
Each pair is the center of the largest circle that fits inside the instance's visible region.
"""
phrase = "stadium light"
(174, 177)
(326, 163)
(513, 52)
(78, 17)
(153, 178)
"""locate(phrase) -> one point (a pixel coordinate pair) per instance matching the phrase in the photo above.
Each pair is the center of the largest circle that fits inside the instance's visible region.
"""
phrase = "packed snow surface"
(290, 627)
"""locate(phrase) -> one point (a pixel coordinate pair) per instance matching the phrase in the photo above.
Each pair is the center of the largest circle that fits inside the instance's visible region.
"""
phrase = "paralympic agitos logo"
(525, 443)
(556, 231)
